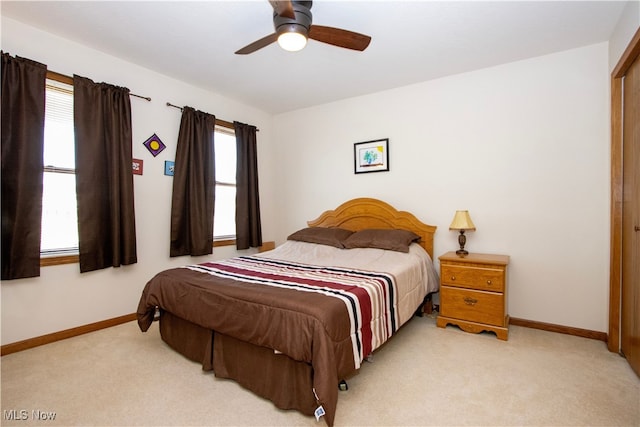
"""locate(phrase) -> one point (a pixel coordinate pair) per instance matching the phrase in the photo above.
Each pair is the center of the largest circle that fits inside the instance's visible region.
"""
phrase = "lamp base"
(462, 239)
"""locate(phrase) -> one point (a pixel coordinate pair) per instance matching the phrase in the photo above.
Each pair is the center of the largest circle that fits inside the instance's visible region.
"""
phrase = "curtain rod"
(148, 98)
(218, 121)
(69, 80)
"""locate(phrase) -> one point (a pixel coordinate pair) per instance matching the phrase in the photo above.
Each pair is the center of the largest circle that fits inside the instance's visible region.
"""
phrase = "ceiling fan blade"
(283, 8)
(339, 37)
(258, 44)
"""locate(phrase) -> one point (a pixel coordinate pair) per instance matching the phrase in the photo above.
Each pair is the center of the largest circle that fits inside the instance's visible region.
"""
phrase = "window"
(224, 219)
(59, 212)
(59, 205)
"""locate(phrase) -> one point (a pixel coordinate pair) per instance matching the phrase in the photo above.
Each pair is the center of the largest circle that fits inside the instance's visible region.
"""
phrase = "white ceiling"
(412, 41)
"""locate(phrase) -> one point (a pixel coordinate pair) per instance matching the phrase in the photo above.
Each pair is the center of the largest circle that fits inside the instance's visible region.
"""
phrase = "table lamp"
(462, 221)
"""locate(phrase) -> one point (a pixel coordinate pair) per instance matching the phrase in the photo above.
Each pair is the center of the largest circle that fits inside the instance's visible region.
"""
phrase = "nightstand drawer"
(482, 278)
(474, 306)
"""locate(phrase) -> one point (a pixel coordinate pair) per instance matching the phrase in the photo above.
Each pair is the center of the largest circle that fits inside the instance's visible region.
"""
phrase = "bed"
(291, 323)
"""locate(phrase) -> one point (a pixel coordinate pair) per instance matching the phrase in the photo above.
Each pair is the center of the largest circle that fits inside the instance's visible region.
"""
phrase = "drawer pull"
(489, 282)
(470, 301)
(453, 277)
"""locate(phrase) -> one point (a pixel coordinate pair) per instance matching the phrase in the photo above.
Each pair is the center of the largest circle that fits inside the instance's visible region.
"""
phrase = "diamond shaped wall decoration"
(154, 145)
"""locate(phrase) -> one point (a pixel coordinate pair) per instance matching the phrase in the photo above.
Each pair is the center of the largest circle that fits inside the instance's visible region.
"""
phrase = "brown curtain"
(104, 178)
(193, 196)
(248, 227)
(23, 103)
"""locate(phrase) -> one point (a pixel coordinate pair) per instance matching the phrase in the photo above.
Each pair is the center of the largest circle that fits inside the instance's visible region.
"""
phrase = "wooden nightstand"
(473, 293)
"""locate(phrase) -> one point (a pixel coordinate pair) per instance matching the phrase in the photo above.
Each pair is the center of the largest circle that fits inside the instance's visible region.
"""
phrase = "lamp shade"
(462, 221)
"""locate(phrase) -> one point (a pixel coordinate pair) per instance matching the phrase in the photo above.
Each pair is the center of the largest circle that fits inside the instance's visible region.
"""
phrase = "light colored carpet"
(423, 376)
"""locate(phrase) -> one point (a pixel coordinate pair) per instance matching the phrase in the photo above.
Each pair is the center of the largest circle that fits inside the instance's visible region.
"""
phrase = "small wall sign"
(137, 166)
(169, 167)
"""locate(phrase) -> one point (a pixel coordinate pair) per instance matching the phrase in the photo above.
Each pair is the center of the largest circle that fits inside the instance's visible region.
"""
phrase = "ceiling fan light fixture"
(292, 40)
(292, 22)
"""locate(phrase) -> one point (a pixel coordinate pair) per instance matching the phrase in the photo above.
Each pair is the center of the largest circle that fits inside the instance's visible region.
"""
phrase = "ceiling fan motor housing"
(301, 23)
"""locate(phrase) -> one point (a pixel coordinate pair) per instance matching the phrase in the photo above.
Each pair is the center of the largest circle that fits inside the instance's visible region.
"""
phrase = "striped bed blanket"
(370, 298)
(324, 320)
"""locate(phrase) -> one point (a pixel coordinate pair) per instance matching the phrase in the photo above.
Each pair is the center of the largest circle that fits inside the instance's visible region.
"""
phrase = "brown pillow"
(333, 236)
(393, 240)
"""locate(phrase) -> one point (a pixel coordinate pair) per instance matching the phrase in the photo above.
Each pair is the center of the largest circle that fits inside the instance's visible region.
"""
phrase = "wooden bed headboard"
(361, 213)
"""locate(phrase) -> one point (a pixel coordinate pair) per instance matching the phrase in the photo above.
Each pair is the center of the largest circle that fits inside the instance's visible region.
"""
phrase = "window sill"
(224, 242)
(74, 259)
(59, 260)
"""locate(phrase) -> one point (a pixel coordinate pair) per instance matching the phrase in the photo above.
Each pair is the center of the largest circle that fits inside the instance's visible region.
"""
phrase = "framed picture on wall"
(371, 156)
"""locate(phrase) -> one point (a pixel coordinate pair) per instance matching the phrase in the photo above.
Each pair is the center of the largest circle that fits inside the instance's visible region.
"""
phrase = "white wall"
(523, 146)
(61, 297)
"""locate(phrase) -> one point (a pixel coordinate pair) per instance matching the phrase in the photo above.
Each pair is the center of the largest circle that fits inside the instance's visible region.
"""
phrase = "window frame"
(228, 128)
(65, 256)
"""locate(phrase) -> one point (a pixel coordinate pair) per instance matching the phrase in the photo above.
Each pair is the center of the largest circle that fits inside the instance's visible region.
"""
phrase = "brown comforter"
(306, 326)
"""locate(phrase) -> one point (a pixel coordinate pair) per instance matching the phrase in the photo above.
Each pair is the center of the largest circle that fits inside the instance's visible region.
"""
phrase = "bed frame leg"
(427, 306)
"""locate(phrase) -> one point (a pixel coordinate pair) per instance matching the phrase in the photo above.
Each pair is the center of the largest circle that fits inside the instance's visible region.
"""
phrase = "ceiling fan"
(292, 22)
